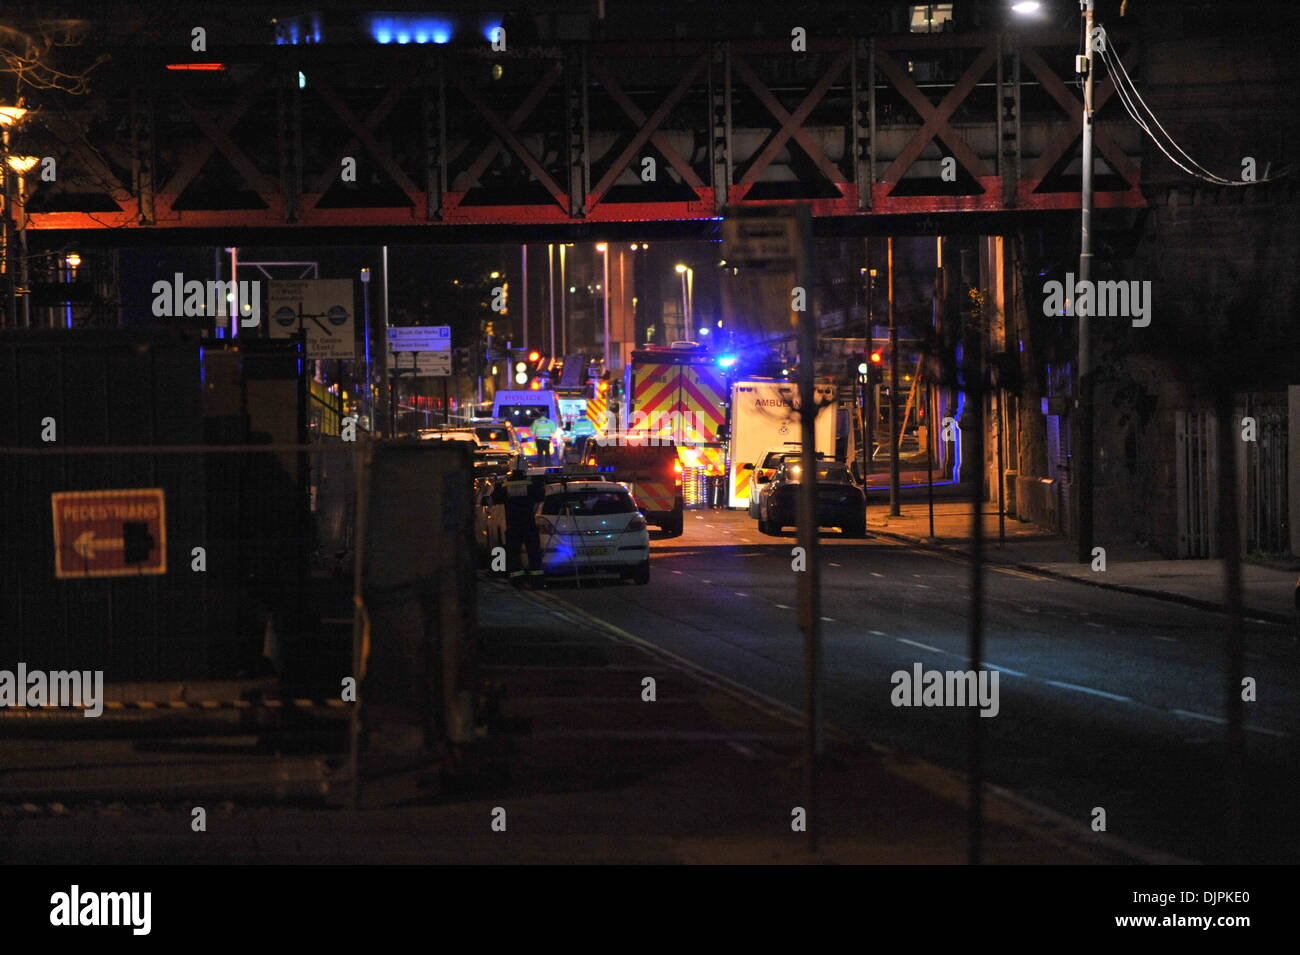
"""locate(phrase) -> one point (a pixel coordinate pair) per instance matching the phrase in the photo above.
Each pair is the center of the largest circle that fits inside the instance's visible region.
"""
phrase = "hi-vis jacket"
(520, 496)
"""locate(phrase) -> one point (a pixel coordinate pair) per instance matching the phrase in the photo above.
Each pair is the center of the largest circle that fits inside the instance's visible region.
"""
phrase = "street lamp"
(688, 293)
(10, 117)
(23, 165)
(603, 249)
(71, 262)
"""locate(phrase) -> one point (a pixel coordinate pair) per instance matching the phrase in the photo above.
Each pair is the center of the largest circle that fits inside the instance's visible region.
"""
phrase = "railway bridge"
(611, 137)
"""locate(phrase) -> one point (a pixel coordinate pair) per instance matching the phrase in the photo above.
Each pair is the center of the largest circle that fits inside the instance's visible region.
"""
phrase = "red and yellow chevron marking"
(743, 477)
(703, 396)
(652, 387)
(598, 413)
(654, 495)
(710, 460)
(696, 393)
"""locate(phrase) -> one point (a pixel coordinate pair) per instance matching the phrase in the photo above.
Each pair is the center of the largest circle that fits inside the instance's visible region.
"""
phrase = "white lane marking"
(676, 571)
(877, 633)
(833, 564)
(706, 581)
(1028, 610)
(1099, 626)
(994, 666)
(739, 594)
(874, 574)
(829, 619)
(1200, 716)
(1266, 732)
(923, 586)
(1167, 639)
(782, 606)
(1088, 689)
(921, 645)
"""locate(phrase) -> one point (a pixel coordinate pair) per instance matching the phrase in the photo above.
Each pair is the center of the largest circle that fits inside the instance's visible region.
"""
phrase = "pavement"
(1268, 589)
(707, 772)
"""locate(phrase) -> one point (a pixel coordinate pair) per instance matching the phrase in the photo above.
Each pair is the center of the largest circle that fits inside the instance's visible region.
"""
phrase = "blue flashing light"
(727, 361)
(413, 28)
(490, 31)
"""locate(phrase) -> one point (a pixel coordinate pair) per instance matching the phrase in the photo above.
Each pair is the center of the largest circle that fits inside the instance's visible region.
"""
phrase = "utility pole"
(809, 585)
(975, 724)
(11, 281)
(370, 364)
(893, 391)
(550, 284)
(387, 380)
(1084, 385)
(523, 268)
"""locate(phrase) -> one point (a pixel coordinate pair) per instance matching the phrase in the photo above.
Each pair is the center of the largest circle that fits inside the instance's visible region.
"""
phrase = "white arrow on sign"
(86, 544)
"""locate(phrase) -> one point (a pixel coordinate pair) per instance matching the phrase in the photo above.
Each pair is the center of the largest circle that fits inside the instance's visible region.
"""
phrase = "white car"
(450, 434)
(593, 527)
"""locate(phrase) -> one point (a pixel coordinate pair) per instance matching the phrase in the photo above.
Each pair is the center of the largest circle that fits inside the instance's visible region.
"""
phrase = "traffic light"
(529, 369)
(875, 368)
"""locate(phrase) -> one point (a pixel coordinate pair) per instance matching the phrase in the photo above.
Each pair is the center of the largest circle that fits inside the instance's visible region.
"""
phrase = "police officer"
(543, 428)
(521, 495)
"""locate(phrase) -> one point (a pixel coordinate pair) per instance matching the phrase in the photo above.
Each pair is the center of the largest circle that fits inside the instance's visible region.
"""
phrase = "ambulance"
(765, 416)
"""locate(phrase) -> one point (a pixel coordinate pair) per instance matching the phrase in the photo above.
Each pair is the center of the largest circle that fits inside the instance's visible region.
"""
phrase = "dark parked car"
(840, 500)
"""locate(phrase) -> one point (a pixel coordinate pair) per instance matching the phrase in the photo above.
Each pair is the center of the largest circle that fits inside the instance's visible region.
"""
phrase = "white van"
(520, 409)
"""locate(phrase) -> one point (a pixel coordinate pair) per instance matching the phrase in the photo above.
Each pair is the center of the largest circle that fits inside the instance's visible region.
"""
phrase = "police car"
(590, 526)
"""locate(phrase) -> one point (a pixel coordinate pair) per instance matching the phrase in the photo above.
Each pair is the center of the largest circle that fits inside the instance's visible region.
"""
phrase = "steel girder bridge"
(593, 134)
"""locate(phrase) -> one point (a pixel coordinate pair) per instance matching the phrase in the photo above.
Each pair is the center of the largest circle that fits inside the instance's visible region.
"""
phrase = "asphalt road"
(1106, 699)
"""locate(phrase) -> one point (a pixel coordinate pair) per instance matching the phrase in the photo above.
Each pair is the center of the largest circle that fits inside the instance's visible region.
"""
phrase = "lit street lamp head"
(11, 116)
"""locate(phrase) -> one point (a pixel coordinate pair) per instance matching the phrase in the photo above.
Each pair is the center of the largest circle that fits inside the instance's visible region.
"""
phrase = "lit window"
(930, 17)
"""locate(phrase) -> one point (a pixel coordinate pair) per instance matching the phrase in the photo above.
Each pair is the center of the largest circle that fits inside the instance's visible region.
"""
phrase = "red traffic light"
(534, 356)
(875, 357)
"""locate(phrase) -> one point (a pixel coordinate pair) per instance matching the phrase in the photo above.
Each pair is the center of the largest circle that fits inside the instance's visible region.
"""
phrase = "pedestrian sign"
(109, 533)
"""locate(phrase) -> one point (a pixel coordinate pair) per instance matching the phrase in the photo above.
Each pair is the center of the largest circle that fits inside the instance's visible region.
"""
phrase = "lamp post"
(688, 293)
(23, 165)
(370, 388)
(603, 249)
(72, 261)
(1085, 271)
(10, 117)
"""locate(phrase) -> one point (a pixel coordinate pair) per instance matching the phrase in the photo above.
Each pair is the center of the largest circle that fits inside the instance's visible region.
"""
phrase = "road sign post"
(322, 308)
